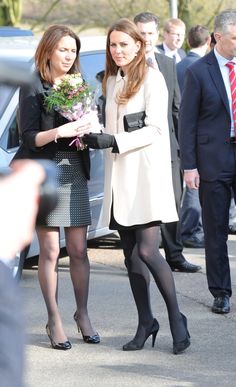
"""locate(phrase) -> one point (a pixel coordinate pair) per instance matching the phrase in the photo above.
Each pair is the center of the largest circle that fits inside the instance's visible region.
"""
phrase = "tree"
(10, 12)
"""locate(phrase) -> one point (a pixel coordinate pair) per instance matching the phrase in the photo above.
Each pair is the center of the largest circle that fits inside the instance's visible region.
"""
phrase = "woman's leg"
(148, 251)
(48, 278)
(76, 244)
(139, 279)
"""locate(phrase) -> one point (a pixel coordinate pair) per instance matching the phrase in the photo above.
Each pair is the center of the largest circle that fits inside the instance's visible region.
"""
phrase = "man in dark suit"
(147, 24)
(173, 34)
(207, 125)
(199, 40)
(191, 213)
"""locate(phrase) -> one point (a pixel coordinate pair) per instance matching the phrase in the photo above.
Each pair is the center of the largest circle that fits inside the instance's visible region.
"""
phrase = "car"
(18, 51)
(14, 31)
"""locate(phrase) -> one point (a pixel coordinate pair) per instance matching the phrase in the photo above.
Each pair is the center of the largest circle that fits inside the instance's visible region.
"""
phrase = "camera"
(48, 195)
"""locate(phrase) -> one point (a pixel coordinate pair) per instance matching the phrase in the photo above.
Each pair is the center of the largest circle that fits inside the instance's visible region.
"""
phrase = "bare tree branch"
(44, 16)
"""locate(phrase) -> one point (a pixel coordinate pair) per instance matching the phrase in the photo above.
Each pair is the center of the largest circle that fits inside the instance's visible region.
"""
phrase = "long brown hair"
(137, 68)
(47, 45)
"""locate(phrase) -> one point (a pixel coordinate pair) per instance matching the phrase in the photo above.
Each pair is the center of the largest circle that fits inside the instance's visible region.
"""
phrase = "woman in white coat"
(138, 185)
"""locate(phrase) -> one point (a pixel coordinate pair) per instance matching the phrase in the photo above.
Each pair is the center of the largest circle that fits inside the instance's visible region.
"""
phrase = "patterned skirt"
(73, 208)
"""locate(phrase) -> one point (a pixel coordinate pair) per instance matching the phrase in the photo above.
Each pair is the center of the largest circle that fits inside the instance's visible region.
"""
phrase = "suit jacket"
(168, 70)
(180, 51)
(204, 120)
(138, 179)
(181, 67)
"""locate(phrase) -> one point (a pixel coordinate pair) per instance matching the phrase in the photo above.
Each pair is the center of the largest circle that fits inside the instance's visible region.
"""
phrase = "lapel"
(217, 79)
(161, 61)
(113, 111)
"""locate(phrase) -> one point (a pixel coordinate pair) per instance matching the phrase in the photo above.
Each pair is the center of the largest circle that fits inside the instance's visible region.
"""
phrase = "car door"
(92, 63)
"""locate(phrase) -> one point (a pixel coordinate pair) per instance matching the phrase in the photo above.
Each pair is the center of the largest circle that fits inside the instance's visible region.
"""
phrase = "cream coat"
(138, 178)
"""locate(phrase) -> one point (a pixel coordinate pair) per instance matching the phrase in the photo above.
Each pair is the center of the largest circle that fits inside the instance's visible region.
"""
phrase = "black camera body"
(48, 195)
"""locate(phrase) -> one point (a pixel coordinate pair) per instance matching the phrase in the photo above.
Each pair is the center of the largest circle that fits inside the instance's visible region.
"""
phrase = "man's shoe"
(221, 304)
(185, 267)
(194, 242)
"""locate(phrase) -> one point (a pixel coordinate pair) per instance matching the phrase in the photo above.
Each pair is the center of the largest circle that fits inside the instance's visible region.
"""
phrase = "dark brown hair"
(198, 36)
(48, 44)
(137, 68)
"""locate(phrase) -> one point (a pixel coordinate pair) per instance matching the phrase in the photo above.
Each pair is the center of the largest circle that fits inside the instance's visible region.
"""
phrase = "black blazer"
(180, 51)
(168, 70)
(204, 120)
(33, 117)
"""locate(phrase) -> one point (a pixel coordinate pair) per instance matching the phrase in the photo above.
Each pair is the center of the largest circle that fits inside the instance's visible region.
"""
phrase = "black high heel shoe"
(133, 345)
(180, 346)
(94, 339)
(63, 346)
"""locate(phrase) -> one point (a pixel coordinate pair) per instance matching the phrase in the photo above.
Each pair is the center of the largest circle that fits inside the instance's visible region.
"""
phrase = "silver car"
(92, 59)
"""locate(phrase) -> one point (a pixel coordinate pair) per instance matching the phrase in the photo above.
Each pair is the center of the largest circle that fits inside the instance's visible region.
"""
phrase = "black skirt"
(114, 225)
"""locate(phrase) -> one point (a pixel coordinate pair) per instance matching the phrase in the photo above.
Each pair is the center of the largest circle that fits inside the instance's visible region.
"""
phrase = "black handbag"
(134, 121)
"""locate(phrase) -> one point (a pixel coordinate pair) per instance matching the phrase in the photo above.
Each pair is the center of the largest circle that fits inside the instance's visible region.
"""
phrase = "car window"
(10, 137)
(6, 92)
(92, 68)
(91, 64)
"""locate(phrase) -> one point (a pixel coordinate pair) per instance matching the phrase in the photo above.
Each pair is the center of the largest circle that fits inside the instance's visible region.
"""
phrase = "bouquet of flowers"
(72, 97)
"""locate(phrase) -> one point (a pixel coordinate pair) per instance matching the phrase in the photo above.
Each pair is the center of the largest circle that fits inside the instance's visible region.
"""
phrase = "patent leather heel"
(185, 324)
(134, 345)
(154, 335)
(94, 339)
(180, 346)
(62, 346)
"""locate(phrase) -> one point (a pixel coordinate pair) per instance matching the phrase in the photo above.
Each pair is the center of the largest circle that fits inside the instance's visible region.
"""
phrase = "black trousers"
(215, 198)
(171, 232)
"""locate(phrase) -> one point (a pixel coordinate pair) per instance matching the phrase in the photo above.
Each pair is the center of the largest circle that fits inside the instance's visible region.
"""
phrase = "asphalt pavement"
(209, 361)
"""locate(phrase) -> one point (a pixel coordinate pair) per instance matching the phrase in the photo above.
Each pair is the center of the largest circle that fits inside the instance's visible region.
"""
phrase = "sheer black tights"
(141, 251)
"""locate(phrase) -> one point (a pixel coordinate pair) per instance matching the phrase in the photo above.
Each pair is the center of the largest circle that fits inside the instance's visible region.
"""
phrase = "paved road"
(210, 361)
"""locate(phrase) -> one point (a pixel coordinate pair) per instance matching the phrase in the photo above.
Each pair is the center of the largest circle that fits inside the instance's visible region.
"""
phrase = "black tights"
(141, 251)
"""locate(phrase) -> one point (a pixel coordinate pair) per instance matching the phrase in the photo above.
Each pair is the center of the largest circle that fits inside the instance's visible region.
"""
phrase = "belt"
(232, 140)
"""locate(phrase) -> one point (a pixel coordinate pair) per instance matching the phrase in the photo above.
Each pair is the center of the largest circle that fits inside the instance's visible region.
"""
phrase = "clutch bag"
(134, 121)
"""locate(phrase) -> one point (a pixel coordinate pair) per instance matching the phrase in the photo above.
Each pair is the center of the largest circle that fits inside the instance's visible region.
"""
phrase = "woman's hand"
(75, 128)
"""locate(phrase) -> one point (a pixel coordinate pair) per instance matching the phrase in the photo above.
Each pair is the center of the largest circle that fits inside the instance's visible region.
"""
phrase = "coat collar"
(119, 76)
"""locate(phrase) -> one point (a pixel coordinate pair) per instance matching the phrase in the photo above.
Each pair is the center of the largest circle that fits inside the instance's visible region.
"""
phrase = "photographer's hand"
(19, 199)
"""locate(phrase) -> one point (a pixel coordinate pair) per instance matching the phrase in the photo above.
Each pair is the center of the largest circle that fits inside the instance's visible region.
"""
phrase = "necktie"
(232, 79)
(174, 59)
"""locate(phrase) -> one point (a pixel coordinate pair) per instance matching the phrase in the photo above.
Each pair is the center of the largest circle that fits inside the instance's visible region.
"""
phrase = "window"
(10, 137)
(6, 93)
